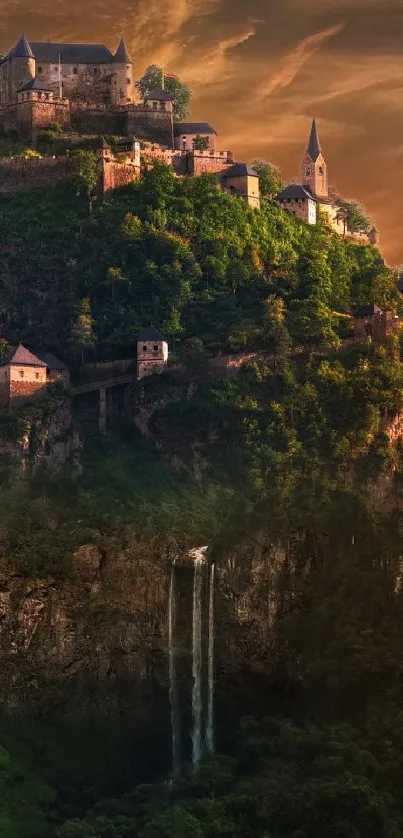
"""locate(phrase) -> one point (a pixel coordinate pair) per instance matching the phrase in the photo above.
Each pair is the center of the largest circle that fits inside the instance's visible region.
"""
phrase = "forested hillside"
(295, 453)
(178, 253)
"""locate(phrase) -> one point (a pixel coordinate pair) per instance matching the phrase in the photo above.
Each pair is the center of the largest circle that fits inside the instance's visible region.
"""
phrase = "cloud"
(216, 62)
(295, 60)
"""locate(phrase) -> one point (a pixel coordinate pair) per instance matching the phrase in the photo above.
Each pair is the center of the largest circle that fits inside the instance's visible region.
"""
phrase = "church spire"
(314, 147)
(122, 53)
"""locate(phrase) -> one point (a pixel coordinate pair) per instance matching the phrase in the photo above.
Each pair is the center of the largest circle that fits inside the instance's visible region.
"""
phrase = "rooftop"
(51, 361)
(36, 84)
(159, 95)
(193, 128)
(239, 170)
(21, 356)
(150, 334)
(294, 191)
(73, 53)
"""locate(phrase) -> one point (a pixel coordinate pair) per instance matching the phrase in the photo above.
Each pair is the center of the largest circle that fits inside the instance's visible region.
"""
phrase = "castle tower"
(314, 168)
(22, 67)
(122, 79)
(152, 353)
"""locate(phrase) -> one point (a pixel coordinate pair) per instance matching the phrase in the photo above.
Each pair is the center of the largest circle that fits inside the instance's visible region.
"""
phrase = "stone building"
(186, 134)
(24, 375)
(240, 179)
(152, 353)
(370, 321)
(87, 73)
(313, 193)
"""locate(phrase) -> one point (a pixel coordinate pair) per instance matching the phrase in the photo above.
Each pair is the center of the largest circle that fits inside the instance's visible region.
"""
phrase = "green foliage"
(356, 219)
(201, 143)
(153, 76)
(269, 178)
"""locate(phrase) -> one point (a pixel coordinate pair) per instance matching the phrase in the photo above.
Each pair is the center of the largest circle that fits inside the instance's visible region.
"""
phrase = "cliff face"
(42, 436)
(98, 642)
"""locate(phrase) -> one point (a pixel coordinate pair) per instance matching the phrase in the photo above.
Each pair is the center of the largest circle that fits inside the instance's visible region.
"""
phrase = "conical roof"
(23, 357)
(22, 49)
(122, 53)
(314, 149)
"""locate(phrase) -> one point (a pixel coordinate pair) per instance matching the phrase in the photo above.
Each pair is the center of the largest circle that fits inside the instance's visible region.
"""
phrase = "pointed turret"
(314, 169)
(314, 147)
(22, 49)
(122, 53)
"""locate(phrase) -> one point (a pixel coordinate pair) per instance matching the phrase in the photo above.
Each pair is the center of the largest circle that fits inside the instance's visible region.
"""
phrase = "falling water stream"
(210, 666)
(197, 703)
(202, 661)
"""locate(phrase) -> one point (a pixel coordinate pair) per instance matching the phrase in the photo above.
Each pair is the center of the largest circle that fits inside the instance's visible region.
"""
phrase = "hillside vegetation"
(293, 449)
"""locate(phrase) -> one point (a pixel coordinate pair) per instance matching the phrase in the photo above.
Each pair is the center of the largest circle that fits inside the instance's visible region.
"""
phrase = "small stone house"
(22, 377)
(240, 179)
(152, 353)
(296, 199)
(159, 100)
(370, 321)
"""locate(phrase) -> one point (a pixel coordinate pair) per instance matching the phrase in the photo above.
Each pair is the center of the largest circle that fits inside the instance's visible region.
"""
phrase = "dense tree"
(355, 217)
(154, 76)
(269, 178)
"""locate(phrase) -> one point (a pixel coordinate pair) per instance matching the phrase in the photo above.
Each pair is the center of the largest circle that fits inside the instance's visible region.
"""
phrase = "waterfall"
(210, 666)
(197, 657)
(173, 687)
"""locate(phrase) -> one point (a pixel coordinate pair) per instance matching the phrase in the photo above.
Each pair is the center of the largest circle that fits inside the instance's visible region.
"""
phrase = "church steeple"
(314, 168)
(314, 148)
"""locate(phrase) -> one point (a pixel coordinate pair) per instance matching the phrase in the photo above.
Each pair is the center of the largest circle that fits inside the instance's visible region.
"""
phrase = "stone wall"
(26, 117)
(147, 124)
(21, 391)
(98, 119)
(28, 173)
(117, 173)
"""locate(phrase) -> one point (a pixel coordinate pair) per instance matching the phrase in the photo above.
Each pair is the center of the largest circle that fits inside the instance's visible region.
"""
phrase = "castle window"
(21, 373)
(155, 347)
(308, 171)
(39, 69)
(75, 71)
(95, 70)
(37, 375)
(321, 170)
(55, 69)
(144, 349)
(155, 104)
(127, 81)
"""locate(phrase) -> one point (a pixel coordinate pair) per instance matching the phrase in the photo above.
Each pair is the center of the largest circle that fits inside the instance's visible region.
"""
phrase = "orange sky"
(259, 70)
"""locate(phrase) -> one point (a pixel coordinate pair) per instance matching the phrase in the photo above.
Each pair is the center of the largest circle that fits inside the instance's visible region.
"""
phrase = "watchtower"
(152, 353)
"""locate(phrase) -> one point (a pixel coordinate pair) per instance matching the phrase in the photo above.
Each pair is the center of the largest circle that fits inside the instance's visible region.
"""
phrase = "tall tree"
(85, 174)
(154, 76)
(269, 178)
(355, 217)
(82, 331)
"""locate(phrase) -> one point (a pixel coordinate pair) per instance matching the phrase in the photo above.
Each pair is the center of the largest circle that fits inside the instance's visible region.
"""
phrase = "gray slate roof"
(22, 49)
(51, 361)
(193, 128)
(159, 94)
(314, 149)
(122, 53)
(238, 170)
(71, 53)
(150, 334)
(36, 84)
(294, 191)
(22, 357)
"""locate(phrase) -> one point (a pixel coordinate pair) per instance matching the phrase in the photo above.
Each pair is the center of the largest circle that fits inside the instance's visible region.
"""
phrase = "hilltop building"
(313, 192)
(25, 375)
(152, 353)
(240, 179)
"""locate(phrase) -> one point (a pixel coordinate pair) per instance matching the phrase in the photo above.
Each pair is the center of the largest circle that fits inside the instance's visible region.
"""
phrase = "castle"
(313, 193)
